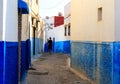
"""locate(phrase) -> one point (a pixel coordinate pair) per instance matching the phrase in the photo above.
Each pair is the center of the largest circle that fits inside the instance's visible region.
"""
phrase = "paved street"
(53, 69)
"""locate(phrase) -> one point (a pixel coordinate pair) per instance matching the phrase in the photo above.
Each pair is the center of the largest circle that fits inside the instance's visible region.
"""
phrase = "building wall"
(1, 19)
(1, 43)
(117, 20)
(67, 16)
(40, 35)
(9, 69)
(10, 25)
(36, 39)
(67, 9)
(25, 27)
(61, 43)
(9, 42)
(95, 44)
(10, 36)
(85, 24)
(116, 60)
(67, 23)
(34, 6)
(25, 46)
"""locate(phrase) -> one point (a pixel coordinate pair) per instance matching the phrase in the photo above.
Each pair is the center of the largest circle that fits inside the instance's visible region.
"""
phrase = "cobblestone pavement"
(53, 69)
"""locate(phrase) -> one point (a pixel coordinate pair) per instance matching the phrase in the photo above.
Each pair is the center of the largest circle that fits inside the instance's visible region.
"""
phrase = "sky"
(52, 7)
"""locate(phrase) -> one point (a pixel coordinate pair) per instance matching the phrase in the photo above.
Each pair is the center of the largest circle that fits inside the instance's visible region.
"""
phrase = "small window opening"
(99, 14)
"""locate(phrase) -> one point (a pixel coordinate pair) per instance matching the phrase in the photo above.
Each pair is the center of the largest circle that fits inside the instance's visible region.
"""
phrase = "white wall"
(1, 18)
(47, 23)
(67, 10)
(56, 32)
(10, 20)
(117, 20)
(84, 20)
(67, 16)
(67, 20)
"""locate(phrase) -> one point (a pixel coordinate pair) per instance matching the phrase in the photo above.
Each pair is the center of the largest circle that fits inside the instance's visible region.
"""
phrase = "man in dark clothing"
(50, 45)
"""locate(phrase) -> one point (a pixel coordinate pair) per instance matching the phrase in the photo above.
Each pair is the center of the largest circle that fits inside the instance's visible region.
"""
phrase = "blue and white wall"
(1, 43)
(8, 42)
(36, 40)
(61, 43)
(95, 43)
(35, 31)
(25, 47)
(9, 59)
(67, 23)
(116, 48)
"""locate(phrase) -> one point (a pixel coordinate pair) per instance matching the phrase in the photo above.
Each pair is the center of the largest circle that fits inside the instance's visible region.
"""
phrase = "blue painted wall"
(1, 61)
(10, 73)
(46, 47)
(37, 47)
(25, 58)
(59, 47)
(116, 60)
(9, 61)
(106, 63)
(95, 60)
(41, 45)
(83, 58)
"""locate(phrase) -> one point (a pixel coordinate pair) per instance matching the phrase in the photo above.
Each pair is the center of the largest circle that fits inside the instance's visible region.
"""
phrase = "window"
(99, 14)
(65, 30)
(69, 29)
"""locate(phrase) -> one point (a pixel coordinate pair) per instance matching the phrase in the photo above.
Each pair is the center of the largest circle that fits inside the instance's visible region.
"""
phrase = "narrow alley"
(53, 69)
(82, 35)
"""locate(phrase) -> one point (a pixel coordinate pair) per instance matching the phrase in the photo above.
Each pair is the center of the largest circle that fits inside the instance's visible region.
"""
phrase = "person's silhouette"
(50, 45)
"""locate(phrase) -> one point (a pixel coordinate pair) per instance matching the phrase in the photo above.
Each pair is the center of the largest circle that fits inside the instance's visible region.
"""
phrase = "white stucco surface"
(117, 20)
(55, 32)
(1, 18)
(10, 20)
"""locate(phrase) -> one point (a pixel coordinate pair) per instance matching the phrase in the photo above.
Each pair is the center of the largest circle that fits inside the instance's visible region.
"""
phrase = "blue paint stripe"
(25, 58)
(83, 58)
(90, 57)
(36, 46)
(1, 61)
(11, 63)
(106, 63)
(4, 58)
(116, 60)
(59, 47)
(28, 53)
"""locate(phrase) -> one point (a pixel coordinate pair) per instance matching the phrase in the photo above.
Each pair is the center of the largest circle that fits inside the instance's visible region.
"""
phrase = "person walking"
(50, 45)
